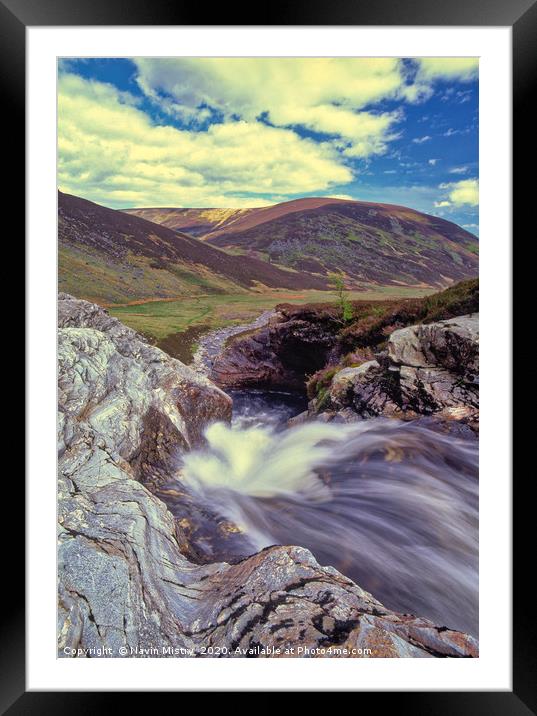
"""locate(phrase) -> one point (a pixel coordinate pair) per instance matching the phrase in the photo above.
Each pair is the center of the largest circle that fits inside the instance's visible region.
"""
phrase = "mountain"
(208, 223)
(370, 243)
(195, 222)
(109, 256)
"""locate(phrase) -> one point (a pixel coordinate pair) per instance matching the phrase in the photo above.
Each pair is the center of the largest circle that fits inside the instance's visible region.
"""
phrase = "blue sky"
(243, 132)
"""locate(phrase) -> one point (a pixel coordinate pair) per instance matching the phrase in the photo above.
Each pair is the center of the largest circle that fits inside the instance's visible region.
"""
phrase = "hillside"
(370, 243)
(195, 222)
(109, 256)
(373, 243)
(209, 223)
(309, 344)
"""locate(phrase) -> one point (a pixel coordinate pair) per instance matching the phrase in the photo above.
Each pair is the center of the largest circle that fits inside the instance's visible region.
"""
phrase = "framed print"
(269, 303)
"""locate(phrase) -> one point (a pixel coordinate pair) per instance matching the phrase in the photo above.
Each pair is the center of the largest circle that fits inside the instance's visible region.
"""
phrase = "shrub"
(375, 321)
(320, 381)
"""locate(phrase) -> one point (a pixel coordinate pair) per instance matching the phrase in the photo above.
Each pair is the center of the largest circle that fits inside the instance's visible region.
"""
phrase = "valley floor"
(162, 320)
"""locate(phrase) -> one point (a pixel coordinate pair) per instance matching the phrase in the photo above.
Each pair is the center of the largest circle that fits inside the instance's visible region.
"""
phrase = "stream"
(211, 344)
(392, 505)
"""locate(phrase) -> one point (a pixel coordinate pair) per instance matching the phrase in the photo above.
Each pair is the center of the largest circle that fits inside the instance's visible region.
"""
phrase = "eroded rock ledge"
(125, 587)
(426, 370)
(281, 353)
(422, 370)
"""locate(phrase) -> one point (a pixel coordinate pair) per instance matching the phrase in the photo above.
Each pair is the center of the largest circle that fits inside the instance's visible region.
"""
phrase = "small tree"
(337, 282)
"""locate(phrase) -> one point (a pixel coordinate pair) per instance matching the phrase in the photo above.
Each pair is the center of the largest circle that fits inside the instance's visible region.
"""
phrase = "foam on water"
(392, 505)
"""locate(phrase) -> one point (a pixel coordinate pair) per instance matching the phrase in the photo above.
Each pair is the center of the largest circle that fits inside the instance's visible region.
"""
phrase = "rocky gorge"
(381, 365)
(426, 370)
(136, 579)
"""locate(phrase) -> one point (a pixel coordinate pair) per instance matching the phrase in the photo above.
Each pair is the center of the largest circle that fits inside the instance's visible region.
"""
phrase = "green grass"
(159, 319)
(102, 279)
(473, 248)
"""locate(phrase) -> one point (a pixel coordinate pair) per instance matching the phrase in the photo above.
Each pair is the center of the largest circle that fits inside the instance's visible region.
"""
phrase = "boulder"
(296, 341)
(428, 390)
(113, 383)
(451, 344)
(428, 369)
(344, 381)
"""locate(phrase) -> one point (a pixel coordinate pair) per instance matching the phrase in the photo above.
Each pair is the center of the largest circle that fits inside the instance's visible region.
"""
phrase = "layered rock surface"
(279, 354)
(426, 370)
(126, 411)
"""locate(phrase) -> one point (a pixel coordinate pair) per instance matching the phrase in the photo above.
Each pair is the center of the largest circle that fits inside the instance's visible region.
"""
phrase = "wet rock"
(211, 345)
(299, 419)
(439, 367)
(251, 361)
(125, 586)
(283, 600)
(113, 383)
(366, 390)
(345, 381)
(280, 354)
(429, 390)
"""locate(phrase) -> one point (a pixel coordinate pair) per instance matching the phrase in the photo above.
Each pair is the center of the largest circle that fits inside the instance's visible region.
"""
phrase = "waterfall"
(392, 505)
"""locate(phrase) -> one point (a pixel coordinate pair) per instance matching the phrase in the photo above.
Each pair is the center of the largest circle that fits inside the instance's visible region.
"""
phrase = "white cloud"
(459, 170)
(448, 68)
(429, 71)
(245, 127)
(110, 151)
(325, 95)
(460, 193)
(453, 132)
(340, 196)
(251, 85)
(465, 192)
(433, 162)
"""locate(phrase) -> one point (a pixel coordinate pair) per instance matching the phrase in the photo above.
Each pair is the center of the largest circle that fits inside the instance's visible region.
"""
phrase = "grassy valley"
(235, 264)
(161, 320)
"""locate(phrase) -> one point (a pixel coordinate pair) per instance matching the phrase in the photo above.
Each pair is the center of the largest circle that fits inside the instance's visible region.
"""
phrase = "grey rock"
(345, 382)
(451, 344)
(433, 389)
(366, 390)
(113, 384)
(428, 369)
(299, 419)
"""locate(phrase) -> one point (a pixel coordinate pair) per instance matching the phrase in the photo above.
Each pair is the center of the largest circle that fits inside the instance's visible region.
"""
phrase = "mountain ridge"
(380, 243)
(172, 216)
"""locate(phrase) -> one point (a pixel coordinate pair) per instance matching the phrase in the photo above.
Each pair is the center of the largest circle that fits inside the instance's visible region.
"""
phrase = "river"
(392, 505)
(211, 344)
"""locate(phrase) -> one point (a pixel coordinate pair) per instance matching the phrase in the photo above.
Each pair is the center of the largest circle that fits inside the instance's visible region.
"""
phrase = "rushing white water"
(392, 505)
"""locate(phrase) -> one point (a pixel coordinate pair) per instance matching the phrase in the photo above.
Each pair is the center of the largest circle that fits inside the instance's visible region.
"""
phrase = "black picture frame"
(521, 15)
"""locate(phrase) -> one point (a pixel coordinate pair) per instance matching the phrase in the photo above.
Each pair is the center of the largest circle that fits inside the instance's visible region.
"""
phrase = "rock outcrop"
(113, 383)
(279, 355)
(425, 370)
(126, 587)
